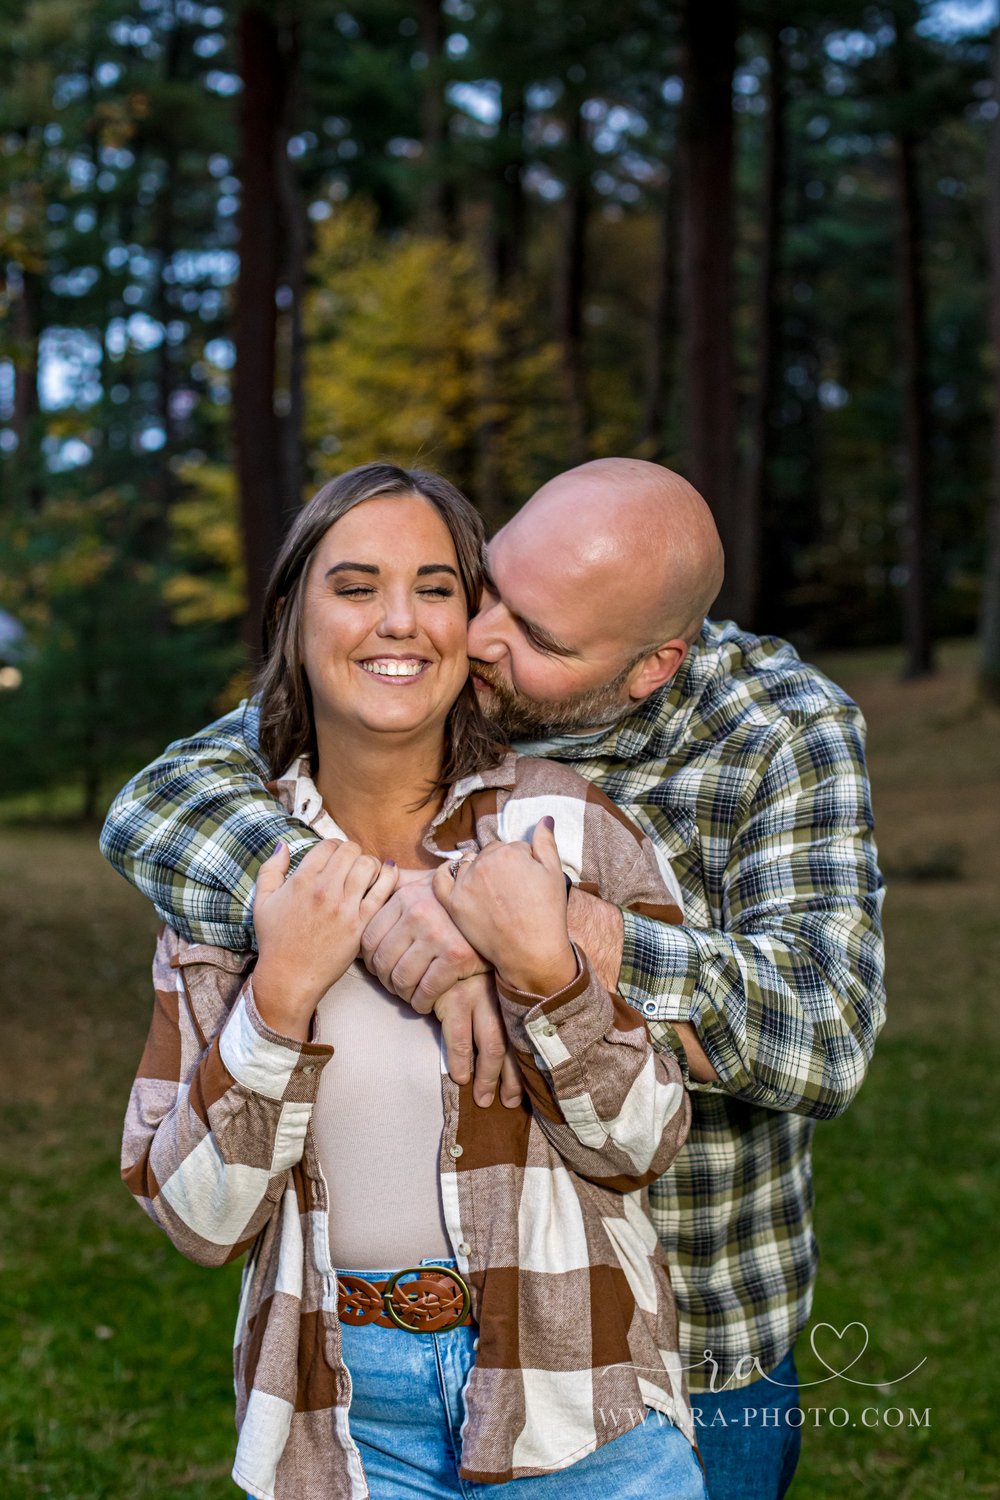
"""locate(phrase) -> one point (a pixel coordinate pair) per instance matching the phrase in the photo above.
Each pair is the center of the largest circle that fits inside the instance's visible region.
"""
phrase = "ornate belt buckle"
(430, 1308)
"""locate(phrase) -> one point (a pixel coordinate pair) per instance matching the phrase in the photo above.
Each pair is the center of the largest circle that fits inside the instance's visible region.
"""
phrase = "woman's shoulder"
(601, 848)
(551, 780)
(197, 965)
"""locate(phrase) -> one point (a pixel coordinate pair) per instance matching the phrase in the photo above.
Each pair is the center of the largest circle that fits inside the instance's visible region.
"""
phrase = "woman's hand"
(509, 901)
(309, 927)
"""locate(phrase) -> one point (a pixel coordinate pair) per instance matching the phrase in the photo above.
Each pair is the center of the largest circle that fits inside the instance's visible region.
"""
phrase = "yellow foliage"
(399, 334)
(412, 360)
(205, 541)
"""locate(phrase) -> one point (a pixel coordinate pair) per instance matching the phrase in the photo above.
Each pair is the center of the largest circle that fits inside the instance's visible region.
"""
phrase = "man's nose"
(485, 636)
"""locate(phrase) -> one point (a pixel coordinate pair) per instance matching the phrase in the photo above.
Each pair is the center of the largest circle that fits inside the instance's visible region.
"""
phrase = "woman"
(299, 1112)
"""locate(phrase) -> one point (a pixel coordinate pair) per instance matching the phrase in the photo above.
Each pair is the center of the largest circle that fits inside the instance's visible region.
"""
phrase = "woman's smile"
(396, 670)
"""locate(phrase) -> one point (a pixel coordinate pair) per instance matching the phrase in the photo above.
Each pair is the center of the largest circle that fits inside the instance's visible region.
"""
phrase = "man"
(746, 766)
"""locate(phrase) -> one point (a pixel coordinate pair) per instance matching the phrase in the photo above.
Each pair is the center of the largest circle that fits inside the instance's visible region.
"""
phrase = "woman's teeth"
(393, 668)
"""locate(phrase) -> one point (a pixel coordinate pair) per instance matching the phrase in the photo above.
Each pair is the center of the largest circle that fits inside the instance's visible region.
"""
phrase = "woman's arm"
(220, 1106)
(218, 1111)
(614, 1108)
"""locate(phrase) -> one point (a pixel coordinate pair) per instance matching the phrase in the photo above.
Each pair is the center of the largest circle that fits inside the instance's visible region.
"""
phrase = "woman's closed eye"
(365, 591)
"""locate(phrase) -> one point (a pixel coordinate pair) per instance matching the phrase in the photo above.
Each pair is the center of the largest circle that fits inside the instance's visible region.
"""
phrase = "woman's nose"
(399, 617)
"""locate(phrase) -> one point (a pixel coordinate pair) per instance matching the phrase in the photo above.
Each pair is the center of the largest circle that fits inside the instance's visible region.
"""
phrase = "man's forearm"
(192, 830)
(598, 929)
(788, 1016)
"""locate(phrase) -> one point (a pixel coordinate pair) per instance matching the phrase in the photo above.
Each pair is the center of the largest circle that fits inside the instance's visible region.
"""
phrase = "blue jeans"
(406, 1416)
(750, 1438)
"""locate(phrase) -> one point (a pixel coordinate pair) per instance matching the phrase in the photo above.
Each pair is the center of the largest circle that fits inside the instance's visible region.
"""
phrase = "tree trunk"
(708, 35)
(653, 433)
(26, 417)
(290, 336)
(506, 239)
(262, 118)
(572, 290)
(989, 620)
(763, 423)
(437, 200)
(917, 637)
(165, 481)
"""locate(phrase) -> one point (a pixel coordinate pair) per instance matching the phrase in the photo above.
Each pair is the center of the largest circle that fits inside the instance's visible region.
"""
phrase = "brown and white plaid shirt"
(546, 1206)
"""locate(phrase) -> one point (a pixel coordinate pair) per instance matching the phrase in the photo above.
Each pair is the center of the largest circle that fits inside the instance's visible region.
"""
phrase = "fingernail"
(390, 864)
(550, 824)
(280, 847)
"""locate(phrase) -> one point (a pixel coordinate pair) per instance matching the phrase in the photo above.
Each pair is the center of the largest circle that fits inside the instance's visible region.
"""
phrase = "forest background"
(244, 247)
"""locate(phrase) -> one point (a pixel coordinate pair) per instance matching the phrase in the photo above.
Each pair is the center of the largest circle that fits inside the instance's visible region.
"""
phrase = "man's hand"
(414, 948)
(473, 1030)
(598, 930)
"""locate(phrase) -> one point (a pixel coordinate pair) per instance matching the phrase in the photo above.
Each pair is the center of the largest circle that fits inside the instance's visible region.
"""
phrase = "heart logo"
(839, 1334)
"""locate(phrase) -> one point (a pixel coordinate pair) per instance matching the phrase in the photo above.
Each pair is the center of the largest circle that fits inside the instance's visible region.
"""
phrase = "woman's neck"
(377, 791)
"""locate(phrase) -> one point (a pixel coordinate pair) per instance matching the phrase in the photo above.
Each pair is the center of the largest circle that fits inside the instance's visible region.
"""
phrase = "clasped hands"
(435, 940)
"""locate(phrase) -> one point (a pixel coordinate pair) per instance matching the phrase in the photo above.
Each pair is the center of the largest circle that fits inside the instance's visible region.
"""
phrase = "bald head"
(637, 536)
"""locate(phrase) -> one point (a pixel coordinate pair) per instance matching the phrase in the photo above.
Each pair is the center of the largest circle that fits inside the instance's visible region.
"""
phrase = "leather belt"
(434, 1300)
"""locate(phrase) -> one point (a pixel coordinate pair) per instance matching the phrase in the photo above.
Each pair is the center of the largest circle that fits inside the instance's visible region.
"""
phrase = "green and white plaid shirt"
(748, 771)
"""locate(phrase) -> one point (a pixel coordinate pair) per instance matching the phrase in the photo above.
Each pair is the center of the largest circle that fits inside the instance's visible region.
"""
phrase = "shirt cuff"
(266, 1062)
(564, 1025)
(659, 979)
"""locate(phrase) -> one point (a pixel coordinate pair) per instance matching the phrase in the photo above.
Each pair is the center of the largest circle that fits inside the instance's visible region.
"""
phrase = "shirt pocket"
(676, 836)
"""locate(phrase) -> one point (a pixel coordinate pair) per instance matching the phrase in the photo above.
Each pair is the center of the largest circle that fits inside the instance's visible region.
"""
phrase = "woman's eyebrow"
(371, 568)
(352, 567)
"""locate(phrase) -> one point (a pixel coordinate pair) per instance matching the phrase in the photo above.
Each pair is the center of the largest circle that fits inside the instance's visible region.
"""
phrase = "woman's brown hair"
(286, 719)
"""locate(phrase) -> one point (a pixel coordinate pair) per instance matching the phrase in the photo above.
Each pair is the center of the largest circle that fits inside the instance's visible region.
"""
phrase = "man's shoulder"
(743, 690)
(764, 670)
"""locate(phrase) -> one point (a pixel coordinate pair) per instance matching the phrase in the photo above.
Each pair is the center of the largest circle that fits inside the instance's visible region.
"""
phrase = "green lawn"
(114, 1359)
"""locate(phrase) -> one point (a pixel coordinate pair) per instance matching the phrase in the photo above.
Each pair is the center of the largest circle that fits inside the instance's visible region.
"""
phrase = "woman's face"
(384, 619)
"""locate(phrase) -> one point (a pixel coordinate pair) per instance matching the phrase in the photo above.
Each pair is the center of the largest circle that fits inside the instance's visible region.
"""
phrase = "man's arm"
(192, 830)
(598, 928)
(787, 999)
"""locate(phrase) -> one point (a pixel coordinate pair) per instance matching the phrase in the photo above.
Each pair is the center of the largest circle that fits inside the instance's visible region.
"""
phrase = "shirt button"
(308, 1068)
(464, 1248)
(455, 1150)
(649, 1007)
(548, 1029)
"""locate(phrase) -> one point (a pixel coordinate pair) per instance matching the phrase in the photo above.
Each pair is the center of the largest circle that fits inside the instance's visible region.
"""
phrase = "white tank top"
(377, 1125)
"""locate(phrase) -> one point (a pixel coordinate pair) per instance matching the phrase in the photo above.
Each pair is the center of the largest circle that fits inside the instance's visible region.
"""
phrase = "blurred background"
(244, 247)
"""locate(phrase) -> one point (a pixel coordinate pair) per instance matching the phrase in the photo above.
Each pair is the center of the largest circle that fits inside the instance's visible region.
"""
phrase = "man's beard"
(520, 718)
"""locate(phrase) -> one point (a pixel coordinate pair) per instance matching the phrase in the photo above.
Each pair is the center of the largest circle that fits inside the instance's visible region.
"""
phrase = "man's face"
(546, 656)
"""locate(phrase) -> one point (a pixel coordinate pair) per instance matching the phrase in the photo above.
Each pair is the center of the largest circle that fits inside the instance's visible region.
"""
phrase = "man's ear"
(656, 669)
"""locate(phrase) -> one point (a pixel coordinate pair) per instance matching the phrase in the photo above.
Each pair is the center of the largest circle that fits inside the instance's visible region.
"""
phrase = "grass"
(114, 1363)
